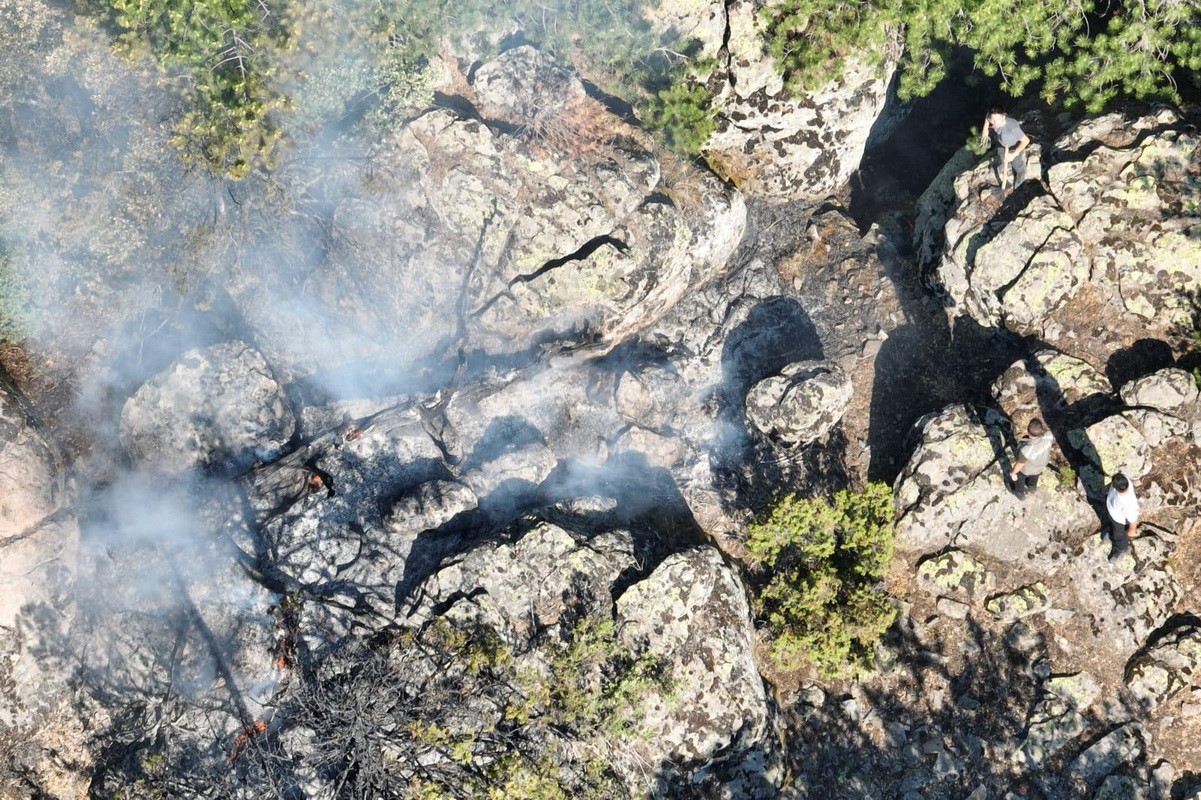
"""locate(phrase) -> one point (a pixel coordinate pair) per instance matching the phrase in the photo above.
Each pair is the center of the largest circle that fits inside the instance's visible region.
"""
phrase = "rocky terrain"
(531, 378)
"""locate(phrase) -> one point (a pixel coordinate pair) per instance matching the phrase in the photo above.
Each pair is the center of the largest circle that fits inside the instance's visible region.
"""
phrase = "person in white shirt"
(1122, 506)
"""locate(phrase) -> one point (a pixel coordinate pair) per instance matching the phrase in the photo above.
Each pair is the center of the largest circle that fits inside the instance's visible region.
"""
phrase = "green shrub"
(1067, 476)
(975, 144)
(1082, 53)
(822, 563)
(682, 115)
(222, 58)
(463, 715)
(612, 44)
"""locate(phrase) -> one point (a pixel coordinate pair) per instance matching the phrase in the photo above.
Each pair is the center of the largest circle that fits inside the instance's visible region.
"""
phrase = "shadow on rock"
(777, 332)
(1061, 418)
(1141, 358)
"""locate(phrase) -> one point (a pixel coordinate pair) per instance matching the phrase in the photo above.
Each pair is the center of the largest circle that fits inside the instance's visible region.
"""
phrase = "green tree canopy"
(822, 564)
(1080, 52)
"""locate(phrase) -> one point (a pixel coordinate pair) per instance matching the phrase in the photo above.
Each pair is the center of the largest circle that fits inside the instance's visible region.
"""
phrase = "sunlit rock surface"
(802, 403)
(540, 369)
(953, 491)
(539, 219)
(779, 147)
(240, 417)
(692, 610)
(1117, 214)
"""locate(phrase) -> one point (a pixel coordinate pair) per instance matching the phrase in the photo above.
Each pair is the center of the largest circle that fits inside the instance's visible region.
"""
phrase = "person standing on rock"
(1011, 142)
(1123, 509)
(1034, 451)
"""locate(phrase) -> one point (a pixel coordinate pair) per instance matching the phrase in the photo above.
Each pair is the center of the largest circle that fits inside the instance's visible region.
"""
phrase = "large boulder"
(1172, 391)
(953, 489)
(1166, 667)
(692, 610)
(782, 147)
(520, 588)
(333, 516)
(529, 219)
(40, 732)
(1113, 230)
(802, 403)
(1115, 444)
(216, 408)
(1050, 384)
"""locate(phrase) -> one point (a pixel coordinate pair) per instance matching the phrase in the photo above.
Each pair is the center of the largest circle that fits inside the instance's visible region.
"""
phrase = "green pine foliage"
(823, 561)
(683, 116)
(235, 66)
(221, 56)
(1086, 53)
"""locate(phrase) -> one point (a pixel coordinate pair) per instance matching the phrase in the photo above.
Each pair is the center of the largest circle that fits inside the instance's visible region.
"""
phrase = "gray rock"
(780, 147)
(648, 396)
(957, 573)
(1117, 200)
(1158, 428)
(1172, 391)
(1058, 718)
(1058, 383)
(1022, 638)
(1130, 598)
(1115, 444)
(218, 407)
(953, 608)
(339, 541)
(663, 451)
(542, 203)
(693, 610)
(1122, 787)
(802, 403)
(527, 87)
(1121, 746)
(32, 479)
(511, 478)
(953, 489)
(430, 506)
(1020, 603)
(39, 548)
(1170, 665)
(520, 587)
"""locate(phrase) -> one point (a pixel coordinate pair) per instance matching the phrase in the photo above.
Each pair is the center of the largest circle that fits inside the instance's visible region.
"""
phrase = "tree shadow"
(940, 718)
(1141, 358)
(746, 467)
(926, 364)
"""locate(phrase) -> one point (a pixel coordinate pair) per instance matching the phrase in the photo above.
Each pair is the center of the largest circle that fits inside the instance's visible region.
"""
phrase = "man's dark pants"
(1120, 539)
(1024, 485)
(1018, 165)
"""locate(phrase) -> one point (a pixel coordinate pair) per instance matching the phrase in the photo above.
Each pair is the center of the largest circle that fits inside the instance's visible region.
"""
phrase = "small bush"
(822, 563)
(681, 115)
(1067, 476)
(975, 144)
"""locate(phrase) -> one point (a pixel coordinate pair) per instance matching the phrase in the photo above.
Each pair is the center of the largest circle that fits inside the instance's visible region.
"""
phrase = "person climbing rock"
(1122, 506)
(1034, 451)
(1011, 142)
